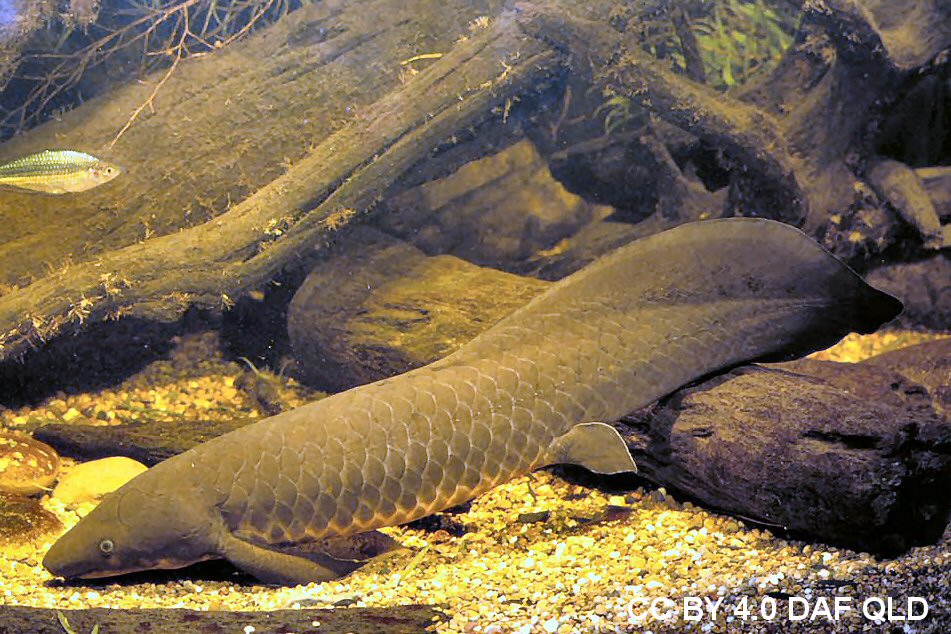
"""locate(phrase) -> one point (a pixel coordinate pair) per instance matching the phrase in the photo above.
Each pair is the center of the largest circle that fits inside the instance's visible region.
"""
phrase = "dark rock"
(440, 522)
(615, 513)
(534, 517)
(498, 211)
(610, 513)
(381, 307)
(343, 603)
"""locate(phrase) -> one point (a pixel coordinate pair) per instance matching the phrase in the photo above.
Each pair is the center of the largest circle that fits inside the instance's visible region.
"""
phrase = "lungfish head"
(138, 527)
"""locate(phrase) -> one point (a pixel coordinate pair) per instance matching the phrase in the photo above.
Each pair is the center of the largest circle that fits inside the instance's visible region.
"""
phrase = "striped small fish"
(57, 172)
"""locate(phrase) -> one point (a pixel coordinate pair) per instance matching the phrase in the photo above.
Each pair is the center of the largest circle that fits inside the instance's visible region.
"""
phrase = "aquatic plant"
(64, 623)
(739, 38)
(140, 35)
(736, 39)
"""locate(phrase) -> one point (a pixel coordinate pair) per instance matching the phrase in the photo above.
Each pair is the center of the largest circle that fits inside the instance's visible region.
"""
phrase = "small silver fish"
(57, 172)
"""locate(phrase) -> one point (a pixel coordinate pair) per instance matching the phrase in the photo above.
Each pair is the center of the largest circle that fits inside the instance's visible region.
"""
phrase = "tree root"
(286, 222)
(790, 142)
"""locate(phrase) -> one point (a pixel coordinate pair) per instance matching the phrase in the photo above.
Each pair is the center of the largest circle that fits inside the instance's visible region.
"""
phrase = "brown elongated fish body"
(619, 334)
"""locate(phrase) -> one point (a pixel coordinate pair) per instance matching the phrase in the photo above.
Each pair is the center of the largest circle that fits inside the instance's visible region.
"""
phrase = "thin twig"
(148, 102)
(160, 27)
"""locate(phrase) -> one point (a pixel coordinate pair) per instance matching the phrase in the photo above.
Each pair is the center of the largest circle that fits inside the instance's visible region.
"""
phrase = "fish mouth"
(93, 573)
(55, 565)
(161, 564)
(102, 574)
(89, 572)
(59, 563)
(65, 570)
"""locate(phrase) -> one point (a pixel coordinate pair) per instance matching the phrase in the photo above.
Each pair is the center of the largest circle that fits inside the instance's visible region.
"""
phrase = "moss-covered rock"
(24, 519)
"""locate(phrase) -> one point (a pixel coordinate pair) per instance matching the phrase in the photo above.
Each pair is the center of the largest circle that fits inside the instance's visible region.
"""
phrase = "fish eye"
(109, 171)
(106, 546)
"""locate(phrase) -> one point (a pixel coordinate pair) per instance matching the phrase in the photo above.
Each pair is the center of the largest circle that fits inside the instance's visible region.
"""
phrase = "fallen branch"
(405, 619)
(287, 221)
(221, 127)
(847, 455)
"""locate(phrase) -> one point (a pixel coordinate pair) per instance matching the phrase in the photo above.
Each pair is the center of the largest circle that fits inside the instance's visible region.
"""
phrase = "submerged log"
(285, 222)
(798, 453)
(405, 619)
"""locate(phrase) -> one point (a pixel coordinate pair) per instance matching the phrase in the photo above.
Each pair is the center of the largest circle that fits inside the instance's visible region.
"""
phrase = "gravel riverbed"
(539, 554)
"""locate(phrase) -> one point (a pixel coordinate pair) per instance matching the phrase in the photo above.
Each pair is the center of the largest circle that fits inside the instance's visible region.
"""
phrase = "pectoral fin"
(594, 446)
(319, 561)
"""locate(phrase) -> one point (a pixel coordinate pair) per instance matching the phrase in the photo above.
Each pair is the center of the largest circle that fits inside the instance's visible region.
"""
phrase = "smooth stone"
(89, 481)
